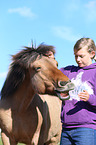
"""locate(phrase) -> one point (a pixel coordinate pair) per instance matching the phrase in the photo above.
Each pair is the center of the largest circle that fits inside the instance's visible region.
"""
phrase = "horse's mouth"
(63, 96)
(63, 91)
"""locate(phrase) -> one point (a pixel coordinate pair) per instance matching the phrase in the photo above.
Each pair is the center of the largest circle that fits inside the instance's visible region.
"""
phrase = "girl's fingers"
(84, 96)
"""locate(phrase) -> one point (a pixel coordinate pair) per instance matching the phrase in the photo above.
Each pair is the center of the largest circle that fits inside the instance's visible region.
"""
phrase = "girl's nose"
(78, 58)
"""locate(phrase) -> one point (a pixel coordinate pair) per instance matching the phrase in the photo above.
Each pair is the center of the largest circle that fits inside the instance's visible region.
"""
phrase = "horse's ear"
(14, 78)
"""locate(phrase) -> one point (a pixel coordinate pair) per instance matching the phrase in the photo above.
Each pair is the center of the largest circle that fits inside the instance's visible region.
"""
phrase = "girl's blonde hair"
(88, 42)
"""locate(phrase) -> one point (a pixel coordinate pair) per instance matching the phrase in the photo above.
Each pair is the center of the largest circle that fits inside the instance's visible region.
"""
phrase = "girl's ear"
(92, 54)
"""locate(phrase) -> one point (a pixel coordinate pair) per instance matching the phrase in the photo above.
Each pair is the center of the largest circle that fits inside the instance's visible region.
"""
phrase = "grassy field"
(2, 143)
(17, 144)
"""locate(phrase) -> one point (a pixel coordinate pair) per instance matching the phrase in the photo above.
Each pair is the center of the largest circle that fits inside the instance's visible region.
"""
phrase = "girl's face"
(83, 57)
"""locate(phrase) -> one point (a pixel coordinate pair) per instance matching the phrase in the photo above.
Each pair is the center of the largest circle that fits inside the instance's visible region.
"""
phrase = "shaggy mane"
(19, 66)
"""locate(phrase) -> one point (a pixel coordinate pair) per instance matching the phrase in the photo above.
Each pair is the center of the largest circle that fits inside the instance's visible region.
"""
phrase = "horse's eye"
(37, 69)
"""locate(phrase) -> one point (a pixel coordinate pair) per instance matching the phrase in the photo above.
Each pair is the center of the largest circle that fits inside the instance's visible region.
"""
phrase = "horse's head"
(47, 79)
(39, 71)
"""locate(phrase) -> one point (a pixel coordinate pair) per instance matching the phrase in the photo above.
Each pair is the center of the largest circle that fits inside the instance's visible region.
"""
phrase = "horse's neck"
(23, 97)
(27, 97)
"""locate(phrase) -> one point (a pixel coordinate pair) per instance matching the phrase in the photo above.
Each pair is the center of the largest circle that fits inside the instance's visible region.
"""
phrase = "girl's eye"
(81, 56)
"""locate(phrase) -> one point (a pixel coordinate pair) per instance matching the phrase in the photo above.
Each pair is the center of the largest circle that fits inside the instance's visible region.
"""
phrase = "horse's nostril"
(62, 83)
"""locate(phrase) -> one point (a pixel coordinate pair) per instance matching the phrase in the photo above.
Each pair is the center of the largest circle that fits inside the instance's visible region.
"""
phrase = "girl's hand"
(84, 96)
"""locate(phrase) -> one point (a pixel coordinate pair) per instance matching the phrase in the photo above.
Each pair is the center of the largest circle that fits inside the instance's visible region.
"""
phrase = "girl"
(78, 114)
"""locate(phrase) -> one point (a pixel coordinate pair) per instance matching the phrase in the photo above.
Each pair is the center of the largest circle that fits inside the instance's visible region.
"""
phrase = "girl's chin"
(80, 65)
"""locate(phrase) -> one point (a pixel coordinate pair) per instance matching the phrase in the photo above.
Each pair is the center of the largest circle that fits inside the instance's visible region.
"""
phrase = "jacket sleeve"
(66, 70)
(92, 98)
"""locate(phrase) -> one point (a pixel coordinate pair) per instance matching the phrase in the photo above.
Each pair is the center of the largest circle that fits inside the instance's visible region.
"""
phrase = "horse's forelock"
(28, 55)
(43, 49)
(25, 57)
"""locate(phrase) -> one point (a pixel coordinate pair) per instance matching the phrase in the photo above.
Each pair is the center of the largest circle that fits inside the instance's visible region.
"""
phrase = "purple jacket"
(76, 113)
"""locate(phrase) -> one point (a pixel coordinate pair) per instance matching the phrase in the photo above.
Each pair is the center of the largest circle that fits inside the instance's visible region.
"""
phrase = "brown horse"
(25, 116)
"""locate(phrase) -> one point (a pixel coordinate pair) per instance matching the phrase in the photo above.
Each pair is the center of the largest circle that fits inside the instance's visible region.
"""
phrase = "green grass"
(18, 143)
(2, 143)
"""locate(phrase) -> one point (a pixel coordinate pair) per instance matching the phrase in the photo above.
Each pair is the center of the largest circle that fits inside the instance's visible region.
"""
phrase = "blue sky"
(55, 22)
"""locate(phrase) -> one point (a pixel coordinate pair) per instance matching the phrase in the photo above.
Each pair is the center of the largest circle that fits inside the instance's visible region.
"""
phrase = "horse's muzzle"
(63, 89)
